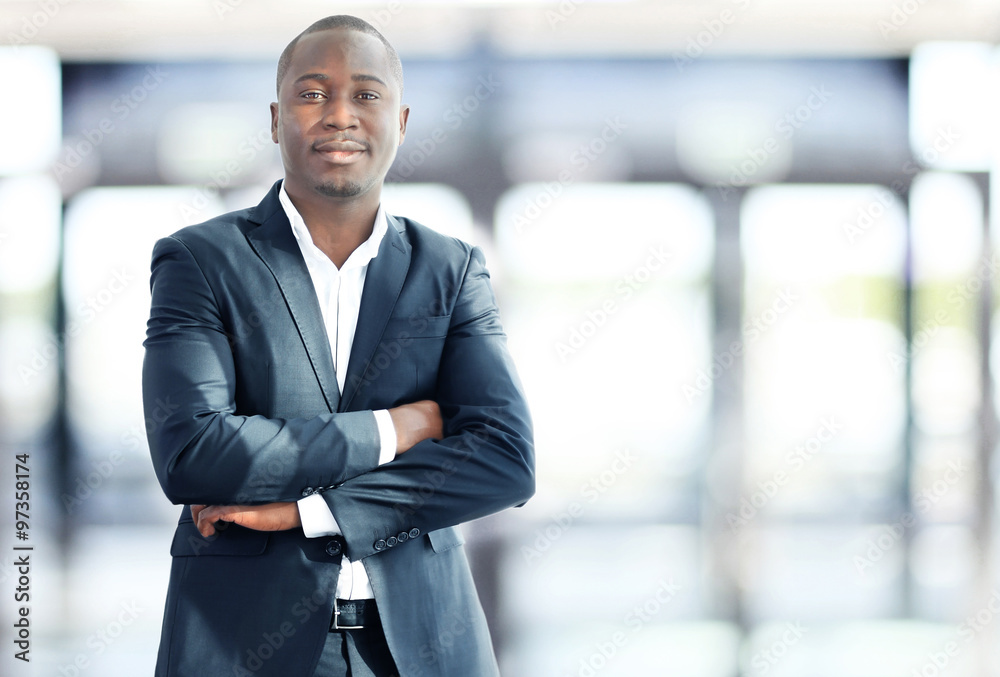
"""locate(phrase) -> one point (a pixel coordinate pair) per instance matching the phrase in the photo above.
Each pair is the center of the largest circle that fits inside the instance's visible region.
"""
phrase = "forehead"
(340, 50)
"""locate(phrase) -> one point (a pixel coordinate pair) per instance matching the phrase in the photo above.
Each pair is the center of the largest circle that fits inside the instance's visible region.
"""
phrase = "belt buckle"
(336, 619)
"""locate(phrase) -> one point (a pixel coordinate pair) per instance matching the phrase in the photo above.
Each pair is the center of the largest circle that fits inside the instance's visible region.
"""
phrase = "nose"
(339, 114)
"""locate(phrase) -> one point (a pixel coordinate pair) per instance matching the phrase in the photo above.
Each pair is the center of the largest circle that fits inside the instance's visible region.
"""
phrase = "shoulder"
(434, 248)
(215, 241)
(221, 230)
(226, 233)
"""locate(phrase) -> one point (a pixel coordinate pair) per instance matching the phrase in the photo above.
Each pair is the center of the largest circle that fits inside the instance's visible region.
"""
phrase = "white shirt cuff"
(316, 518)
(314, 513)
(386, 435)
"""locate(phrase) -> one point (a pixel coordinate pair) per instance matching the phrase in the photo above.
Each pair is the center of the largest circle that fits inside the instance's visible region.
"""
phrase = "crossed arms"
(413, 423)
(473, 458)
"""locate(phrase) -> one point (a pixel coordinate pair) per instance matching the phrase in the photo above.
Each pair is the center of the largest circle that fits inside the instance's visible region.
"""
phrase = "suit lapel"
(275, 244)
(383, 282)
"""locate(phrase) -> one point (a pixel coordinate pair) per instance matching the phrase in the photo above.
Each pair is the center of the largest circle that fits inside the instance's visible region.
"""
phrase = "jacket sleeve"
(485, 462)
(202, 451)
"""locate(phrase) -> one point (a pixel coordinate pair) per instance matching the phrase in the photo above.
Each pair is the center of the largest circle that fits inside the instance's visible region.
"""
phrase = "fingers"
(269, 517)
(195, 510)
(209, 515)
(205, 527)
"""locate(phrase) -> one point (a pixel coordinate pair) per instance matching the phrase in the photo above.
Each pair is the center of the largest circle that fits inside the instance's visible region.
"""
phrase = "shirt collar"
(361, 256)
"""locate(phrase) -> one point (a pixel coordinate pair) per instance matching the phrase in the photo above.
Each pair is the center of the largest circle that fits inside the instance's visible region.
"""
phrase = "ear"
(404, 115)
(274, 121)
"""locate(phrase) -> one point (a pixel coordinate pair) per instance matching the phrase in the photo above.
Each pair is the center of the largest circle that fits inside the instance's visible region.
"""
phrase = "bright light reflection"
(30, 215)
(953, 105)
(813, 233)
(946, 384)
(110, 234)
(946, 216)
(31, 80)
(815, 329)
(605, 293)
(551, 233)
(434, 205)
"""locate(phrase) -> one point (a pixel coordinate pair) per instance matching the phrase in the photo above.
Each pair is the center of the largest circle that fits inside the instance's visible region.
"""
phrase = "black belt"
(353, 614)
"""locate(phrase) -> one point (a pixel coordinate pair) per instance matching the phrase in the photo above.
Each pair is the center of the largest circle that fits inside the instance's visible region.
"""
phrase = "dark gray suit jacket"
(242, 406)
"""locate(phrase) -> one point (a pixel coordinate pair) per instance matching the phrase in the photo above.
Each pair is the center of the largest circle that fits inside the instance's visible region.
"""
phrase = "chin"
(340, 189)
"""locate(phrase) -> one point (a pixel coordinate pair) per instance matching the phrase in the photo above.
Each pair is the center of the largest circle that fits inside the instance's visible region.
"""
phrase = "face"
(338, 118)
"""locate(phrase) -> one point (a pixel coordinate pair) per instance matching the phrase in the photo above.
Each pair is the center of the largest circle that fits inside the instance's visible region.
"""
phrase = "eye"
(368, 96)
(312, 94)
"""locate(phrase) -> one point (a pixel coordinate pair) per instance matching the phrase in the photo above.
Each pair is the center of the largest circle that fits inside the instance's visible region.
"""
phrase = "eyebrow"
(358, 77)
(363, 77)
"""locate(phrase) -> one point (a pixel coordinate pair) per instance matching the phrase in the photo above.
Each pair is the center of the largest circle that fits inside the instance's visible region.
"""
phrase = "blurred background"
(745, 258)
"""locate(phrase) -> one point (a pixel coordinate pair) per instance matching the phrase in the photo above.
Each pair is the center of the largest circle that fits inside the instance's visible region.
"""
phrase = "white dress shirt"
(339, 294)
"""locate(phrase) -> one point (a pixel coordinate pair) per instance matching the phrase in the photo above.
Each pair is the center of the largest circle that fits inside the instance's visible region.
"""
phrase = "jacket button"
(380, 544)
(402, 536)
(414, 532)
(307, 491)
(333, 548)
(391, 541)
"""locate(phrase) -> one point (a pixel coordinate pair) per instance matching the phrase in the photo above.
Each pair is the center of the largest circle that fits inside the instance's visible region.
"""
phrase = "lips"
(339, 146)
(340, 151)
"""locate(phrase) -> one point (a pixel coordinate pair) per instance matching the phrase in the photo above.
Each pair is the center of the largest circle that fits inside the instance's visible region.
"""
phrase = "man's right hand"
(416, 422)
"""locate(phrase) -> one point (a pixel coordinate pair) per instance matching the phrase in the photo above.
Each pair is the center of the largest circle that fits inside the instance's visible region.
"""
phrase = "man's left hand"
(269, 517)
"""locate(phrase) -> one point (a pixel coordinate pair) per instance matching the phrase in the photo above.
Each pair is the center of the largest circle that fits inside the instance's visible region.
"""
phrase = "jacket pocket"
(404, 329)
(233, 541)
(446, 539)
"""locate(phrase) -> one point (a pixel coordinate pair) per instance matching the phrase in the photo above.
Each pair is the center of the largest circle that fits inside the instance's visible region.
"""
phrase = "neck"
(338, 226)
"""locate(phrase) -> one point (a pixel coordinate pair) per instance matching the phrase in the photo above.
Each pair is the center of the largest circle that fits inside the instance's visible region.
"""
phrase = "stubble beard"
(340, 189)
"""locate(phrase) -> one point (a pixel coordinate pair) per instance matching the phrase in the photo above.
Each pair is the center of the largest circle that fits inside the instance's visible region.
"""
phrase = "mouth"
(340, 151)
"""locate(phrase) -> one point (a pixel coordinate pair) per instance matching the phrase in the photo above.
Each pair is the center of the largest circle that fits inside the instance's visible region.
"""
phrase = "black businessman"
(341, 398)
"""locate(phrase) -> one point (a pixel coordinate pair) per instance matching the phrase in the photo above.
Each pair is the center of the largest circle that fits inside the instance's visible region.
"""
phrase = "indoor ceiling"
(97, 30)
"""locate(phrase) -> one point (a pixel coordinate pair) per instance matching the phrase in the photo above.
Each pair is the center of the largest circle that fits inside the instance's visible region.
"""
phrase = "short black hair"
(341, 21)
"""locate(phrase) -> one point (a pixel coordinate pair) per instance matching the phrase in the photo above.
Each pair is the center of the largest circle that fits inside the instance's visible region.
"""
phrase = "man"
(334, 396)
